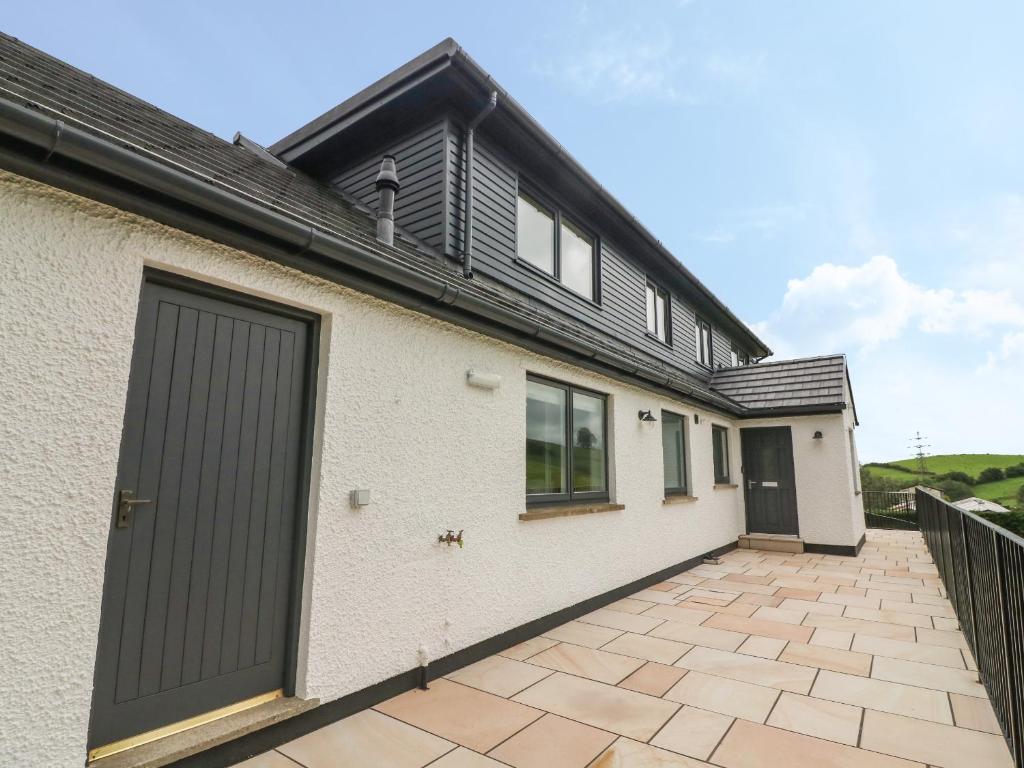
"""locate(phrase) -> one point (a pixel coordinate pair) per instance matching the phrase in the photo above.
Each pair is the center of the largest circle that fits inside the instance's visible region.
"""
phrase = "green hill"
(971, 463)
(1003, 491)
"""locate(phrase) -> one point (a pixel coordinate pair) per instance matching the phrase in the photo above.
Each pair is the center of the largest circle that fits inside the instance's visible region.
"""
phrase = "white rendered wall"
(829, 508)
(394, 416)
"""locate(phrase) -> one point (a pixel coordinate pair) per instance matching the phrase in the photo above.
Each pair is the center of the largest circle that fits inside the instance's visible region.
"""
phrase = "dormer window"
(658, 312)
(702, 333)
(535, 234)
(739, 357)
(567, 257)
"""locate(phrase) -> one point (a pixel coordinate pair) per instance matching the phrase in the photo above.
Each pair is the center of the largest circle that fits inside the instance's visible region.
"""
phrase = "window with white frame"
(739, 357)
(702, 337)
(658, 309)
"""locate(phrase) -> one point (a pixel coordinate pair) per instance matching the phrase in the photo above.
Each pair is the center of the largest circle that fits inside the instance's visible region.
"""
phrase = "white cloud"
(861, 307)
(762, 221)
(947, 361)
(610, 52)
(743, 69)
(626, 64)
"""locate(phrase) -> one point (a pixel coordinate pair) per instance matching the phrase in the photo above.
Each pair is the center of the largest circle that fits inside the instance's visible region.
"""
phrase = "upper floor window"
(566, 444)
(658, 312)
(703, 339)
(549, 241)
(739, 357)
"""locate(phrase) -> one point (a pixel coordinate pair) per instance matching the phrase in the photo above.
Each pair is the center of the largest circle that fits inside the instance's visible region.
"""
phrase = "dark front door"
(201, 570)
(769, 486)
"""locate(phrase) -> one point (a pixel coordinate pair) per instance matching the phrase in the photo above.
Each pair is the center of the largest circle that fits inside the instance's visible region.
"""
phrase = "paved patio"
(768, 659)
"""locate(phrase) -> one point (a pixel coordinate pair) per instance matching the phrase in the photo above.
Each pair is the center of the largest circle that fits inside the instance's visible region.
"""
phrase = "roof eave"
(794, 410)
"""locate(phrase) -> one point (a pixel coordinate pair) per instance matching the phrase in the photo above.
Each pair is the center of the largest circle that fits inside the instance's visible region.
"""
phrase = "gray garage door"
(200, 571)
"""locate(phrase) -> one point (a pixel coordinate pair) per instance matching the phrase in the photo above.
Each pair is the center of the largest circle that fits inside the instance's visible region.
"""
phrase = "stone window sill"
(722, 486)
(678, 499)
(568, 510)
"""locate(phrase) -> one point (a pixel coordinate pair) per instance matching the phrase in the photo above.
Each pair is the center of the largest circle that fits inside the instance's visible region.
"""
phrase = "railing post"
(1013, 736)
(970, 592)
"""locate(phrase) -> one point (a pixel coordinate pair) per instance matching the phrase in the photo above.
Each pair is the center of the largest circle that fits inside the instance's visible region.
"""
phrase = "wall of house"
(829, 507)
(622, 311)
(394, 416)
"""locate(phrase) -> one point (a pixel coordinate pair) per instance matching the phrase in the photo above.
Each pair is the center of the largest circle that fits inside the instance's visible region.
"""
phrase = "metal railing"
(982, 568)
(890, 509)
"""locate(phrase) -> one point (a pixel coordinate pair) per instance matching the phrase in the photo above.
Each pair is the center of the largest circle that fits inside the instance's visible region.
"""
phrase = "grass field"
(971, 463)
(1004, 491)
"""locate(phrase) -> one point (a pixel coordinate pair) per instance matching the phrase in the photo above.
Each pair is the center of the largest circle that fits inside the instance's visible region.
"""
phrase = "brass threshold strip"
(182, 725)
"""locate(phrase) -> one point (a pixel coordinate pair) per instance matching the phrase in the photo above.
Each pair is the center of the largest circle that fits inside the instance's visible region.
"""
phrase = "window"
(566, 445)
(703, 339)
(577, 260)
(739, 357)
(720, 449)
(673, 445)
(658, 312)
(535, 234)
(569, 257)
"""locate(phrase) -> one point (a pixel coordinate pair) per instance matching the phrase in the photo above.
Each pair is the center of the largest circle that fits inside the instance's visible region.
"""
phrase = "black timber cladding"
(805, 383)
(419, 207)
(622, 309)
(446, 78)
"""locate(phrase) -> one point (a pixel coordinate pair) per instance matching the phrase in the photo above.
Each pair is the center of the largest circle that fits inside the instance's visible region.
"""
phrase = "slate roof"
(810, 382)
(975, 504)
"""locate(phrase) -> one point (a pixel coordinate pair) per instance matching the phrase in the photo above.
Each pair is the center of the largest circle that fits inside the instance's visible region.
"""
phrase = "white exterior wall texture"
(830, 509)
(394, 416)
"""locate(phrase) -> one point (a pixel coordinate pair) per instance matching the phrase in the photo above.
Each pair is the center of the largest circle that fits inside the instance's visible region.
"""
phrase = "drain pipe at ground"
(467, 233)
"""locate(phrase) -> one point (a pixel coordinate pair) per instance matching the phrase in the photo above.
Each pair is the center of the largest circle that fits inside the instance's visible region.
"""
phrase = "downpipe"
(467, 232)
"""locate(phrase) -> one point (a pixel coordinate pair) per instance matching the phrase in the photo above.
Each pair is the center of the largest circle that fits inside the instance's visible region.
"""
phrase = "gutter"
(294, 240)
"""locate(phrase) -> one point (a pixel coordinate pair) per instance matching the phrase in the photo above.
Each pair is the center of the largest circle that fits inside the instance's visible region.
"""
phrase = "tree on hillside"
(1017, 470)
(961, 477)
(1020, 496)
(869, 481)
(991, 475)
(954, 490)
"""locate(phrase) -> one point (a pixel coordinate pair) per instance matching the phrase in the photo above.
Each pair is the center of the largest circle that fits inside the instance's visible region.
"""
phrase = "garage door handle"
(126, 501)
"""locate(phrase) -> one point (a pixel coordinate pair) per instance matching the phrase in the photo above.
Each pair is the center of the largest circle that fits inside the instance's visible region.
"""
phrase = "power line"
(918, 444)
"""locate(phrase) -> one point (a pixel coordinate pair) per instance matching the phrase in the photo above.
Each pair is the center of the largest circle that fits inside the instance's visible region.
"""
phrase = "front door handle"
(125, 502)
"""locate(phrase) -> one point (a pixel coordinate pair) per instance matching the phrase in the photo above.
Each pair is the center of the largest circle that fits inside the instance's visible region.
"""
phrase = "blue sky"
(847, 176)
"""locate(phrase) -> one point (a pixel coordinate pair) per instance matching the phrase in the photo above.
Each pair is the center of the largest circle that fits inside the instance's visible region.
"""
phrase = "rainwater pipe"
(467, 233)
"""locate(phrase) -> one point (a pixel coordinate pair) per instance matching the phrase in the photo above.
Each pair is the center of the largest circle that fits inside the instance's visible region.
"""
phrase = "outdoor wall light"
(696, 419)
(818, 435)
(482, 380)
(645, 416)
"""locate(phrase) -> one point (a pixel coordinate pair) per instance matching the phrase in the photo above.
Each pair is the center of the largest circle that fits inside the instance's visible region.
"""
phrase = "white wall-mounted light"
(483, 380)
